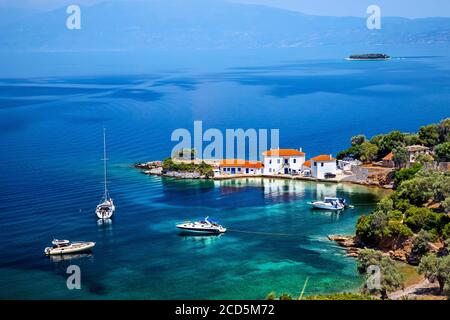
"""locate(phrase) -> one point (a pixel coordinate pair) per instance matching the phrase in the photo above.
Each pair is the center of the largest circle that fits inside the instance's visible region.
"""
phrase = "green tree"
(401, 157)
(421, 243)
(442, 152)
(444, 130)
(436, 268)
(391, 279)
(424, 158)
(421, 218)
(358, 140)
(412, 139)
(417, 191)
(389, 142)
(406, 174)
(429, 135)
(446, 205)
(367, 152)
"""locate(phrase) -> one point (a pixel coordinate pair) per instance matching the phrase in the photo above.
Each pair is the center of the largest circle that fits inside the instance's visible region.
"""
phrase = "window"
(270, 161)
(239, 169)
(294, 160)
(321, 164)
(315, 164)
(286, 161)
(278, 161)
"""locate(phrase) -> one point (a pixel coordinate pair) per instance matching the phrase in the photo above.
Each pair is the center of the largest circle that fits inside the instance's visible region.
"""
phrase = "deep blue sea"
(51, 173)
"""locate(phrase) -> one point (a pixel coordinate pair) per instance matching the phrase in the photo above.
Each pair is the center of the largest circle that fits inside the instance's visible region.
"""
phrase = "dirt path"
(423, 289)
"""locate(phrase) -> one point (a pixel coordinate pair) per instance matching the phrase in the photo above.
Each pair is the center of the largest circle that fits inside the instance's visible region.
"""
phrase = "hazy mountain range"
(202, 24)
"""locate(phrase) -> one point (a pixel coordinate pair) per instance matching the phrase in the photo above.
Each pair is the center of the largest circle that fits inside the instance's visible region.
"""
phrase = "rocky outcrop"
(155, 168)
(149, 165)
(350, 243)
(183, 175)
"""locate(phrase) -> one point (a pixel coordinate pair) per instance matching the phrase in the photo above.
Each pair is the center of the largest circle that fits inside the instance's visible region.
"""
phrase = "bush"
(436, 268)
(203, 168)
(429, 135)
(421, 218)
(391, 278)
(406, 173)
(421, 244)
(442, 152)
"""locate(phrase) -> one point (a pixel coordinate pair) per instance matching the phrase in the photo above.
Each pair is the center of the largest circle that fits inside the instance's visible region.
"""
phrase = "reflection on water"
(105, 223)
(202, 240)
(71, 257)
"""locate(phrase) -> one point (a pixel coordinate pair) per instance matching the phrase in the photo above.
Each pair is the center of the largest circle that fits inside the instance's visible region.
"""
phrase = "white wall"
(239, 170)
(320, 168)
(276, 165)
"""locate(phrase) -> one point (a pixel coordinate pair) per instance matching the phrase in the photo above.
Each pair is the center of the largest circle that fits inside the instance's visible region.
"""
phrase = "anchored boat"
(106, 208)
(204, 226)
(65, 247)
(331, 203)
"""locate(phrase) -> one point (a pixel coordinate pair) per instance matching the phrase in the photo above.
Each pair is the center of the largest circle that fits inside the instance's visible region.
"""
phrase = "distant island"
(369, 56)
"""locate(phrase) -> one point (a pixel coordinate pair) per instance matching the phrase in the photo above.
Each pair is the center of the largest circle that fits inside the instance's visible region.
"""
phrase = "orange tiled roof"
(283, 152)
(307, 163)
(389, 157)
(241, 163)
(323, 157)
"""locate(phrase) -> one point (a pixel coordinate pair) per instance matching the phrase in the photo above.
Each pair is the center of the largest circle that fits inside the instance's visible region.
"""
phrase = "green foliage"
(384, 224)
(401, 157)
(446, 231)
(390, 141)
(391, 279)
(285, 296)
(436, 268)
(442, 152)
(202, 168)
(358, 140)
(444, 130)
(421, 218)
(271, 296)
(367, 152)
(341, 296)
(424, 158)
(421, 244)
(412, 139)
(406, 173)
(446, 205)
(430, 135)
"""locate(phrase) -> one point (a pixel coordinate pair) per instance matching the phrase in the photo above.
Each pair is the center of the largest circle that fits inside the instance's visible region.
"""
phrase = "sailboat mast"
(104, 162)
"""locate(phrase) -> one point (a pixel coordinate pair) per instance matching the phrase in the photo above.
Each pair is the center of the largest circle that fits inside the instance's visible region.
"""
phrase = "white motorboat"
(65, 247)
(330, 203)
(205, 226)
(106, 208)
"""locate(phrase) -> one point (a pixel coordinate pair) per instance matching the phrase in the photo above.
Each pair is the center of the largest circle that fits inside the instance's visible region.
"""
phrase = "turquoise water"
(50, 176)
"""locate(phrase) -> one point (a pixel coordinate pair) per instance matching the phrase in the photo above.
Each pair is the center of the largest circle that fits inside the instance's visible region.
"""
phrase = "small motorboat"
(331, 203)
(204, 226)
(65, 247)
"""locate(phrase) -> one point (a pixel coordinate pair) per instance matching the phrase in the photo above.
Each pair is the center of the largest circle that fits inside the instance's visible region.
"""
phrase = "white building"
(322, 165)
(283, 161)
(240, 167)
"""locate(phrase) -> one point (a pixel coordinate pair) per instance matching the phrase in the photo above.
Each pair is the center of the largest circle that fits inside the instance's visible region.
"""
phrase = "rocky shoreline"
(353, 245)
(155, 168)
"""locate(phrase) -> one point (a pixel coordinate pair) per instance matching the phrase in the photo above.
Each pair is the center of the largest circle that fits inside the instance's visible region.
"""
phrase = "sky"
(402, 8)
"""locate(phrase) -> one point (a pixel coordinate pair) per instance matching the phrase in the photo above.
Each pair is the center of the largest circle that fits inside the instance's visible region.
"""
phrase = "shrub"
(436, 268)
(406, 173)
(421, 244)
(421, 218)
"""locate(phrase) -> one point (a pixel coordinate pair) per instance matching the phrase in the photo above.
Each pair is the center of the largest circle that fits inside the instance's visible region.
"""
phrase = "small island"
(369, 57)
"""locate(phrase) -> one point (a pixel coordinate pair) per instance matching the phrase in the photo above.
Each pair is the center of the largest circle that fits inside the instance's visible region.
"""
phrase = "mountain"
(202, 24)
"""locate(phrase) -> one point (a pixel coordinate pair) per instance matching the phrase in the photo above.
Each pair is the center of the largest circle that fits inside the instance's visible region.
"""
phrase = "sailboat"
(105, 209)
